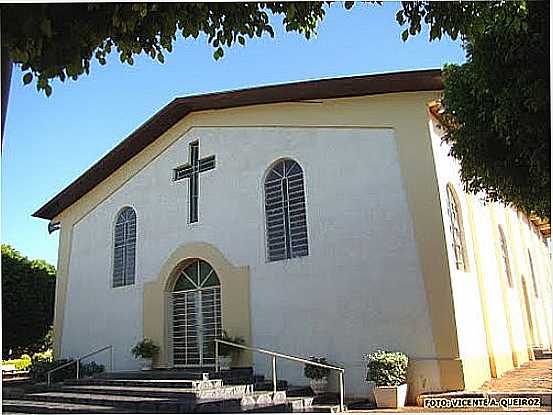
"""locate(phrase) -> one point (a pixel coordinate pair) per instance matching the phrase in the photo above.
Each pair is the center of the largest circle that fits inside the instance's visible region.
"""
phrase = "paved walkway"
(534, 376)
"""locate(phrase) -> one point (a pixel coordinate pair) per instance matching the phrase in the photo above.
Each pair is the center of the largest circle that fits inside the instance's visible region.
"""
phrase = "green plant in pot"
(145, 350)
(388, 372)
(318, 375)
(229, 353)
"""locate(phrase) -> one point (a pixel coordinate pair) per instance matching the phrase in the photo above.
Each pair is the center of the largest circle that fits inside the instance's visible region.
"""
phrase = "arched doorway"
(196, 315)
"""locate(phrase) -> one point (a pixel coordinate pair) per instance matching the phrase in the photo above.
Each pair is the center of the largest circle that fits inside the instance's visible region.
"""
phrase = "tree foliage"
(60, 40)
(497, 103)
(497, 107)
(28, 289)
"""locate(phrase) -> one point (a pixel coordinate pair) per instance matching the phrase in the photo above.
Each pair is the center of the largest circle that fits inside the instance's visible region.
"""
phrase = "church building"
(319, 218)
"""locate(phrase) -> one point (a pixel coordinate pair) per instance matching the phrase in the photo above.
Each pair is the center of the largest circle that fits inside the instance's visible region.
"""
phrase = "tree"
(28, 290)
(60, 40)
(489, 113)
(497, 104)
(498, 110)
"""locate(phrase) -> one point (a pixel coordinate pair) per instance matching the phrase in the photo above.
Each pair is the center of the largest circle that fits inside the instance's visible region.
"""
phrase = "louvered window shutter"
(124, 248)
(286, 219)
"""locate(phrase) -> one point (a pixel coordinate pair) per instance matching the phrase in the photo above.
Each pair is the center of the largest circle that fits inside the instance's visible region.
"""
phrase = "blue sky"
(49, 142)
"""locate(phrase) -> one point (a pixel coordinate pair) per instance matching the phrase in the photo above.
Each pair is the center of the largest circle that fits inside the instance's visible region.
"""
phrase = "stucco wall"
(526, 238)
(362, 272)
(489, 312)
(465, 284)
(402, 117)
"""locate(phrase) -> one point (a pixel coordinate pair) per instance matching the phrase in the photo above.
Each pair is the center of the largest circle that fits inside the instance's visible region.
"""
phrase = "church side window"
(534, 282)
(285, 213)
(505, 255)
(456, 229)
(124, 249)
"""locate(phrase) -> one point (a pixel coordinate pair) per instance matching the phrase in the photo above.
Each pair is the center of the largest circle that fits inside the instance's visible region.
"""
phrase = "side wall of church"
(490, 311)
(465, 284)
(373, 277)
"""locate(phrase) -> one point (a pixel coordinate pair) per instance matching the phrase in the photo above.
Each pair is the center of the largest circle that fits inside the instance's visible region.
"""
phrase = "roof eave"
(159, 123)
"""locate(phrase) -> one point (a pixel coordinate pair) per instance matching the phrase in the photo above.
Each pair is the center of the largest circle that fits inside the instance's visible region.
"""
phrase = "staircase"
(167, 391)
(542, 353)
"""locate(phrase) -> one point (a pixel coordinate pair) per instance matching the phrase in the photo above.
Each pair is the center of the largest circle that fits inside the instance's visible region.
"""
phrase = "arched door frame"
(194, 314)
(235, 298)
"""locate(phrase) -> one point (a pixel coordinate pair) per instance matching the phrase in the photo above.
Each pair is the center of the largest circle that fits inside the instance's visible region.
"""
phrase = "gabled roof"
(411, 81)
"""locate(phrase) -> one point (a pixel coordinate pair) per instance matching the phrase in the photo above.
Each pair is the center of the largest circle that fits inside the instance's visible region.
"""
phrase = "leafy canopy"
(60, 40)
(496, 104)
(28, 289)
(498, 109)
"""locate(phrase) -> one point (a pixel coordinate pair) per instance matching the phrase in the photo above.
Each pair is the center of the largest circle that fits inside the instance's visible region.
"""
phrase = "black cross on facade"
(192, 171)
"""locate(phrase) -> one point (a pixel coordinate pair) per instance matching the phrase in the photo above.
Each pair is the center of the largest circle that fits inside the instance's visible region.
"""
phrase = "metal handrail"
(78, 362)
(283, 356)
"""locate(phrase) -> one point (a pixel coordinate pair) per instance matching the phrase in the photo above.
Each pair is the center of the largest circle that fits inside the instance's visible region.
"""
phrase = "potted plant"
(145, 350)
(318, 375)
(228, 353)
(388, 371)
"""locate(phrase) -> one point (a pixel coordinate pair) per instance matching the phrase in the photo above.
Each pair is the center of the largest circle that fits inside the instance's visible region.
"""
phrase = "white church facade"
(317, 218)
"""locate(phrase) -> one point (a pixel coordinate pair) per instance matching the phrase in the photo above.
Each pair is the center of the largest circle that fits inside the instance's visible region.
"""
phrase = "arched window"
(456, 229)
(505, 254)
(534, 282)
(124, 248)
(286, 219)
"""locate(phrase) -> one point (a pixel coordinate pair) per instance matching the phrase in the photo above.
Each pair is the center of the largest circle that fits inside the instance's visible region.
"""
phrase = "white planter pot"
(319, 385)
(146, 364)
(390, 396)
(224, 362)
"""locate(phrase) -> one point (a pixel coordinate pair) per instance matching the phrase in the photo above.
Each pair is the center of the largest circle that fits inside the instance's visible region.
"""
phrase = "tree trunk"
(7, 67)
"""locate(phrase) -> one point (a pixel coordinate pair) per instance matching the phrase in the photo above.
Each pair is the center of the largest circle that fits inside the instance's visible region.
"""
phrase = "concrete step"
(267, 385)
(361, 405)
(40, 407)
(154, 392)
(128, 402)
(30, 407)
(16, 375)
(263, 398)
(292, 391)
(130, 398)
(158, 374)
(233, 406)
(542, 353)
(300, 402)
(177, 374)
(321, 409)
(269, 408)
(225, 392)
(219, 391)
(327, 398)
(155, 383)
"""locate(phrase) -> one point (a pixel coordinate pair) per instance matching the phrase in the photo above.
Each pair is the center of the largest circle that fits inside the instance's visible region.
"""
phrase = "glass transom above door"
(198, 274)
